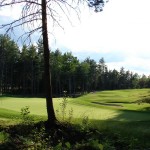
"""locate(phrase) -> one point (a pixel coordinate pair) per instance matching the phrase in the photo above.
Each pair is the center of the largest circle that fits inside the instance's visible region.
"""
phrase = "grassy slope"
(87, 105)
(128, 111)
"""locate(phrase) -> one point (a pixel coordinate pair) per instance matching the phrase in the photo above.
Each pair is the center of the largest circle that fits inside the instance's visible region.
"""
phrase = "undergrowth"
(63, 136)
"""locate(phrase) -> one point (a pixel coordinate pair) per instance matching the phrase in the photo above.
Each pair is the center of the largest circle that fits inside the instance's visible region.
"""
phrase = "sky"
(120, 34)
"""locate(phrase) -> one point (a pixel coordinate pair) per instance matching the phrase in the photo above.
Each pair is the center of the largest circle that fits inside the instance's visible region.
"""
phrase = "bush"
(26, 119)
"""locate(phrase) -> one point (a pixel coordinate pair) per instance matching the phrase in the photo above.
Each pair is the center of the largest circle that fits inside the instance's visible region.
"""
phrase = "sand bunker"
(107, 104)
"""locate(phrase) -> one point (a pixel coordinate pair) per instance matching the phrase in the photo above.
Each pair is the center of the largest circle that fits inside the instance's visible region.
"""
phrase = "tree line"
(22, 72)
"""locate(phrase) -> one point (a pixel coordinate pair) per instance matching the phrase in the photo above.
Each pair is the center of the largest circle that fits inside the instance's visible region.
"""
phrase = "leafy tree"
(143, 82)
(122, 78)
(97, 4)
(69, 66)
(32, 57)
(82, 73)
(56, 63)
(9, 54)
(101, 69)
(92, 76)
(113, 79)
(24, 68)
(134, 80)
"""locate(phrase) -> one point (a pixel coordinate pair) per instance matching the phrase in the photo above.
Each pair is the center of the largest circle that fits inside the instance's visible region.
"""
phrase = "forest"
(22, 72)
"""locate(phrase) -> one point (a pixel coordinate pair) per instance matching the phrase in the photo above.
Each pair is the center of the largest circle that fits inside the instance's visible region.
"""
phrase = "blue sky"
(120, 34)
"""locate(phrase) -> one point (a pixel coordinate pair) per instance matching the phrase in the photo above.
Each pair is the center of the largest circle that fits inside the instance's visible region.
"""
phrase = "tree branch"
(14, 2)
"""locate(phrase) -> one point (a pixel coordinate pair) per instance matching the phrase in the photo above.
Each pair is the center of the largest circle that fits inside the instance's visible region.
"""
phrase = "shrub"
(26, 119)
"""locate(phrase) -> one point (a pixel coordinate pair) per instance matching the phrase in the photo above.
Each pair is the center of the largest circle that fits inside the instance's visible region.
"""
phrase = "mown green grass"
(37, 105)
(130, 110)
(119, 105)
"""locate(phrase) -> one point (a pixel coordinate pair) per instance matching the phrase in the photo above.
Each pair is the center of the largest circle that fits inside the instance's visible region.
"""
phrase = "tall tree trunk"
(49, 102)
(74, 85)
(59, 86)
(1, 81)
(32, 78)
(23, 77)
(70, 88)
(11, 79)
(2, 77)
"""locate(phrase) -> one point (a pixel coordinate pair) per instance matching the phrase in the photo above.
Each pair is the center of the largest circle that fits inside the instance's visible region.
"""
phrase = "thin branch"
(13, 2)
(32, 11)
(63, 12)
(28, 34)
(12, 24)
(18, 20)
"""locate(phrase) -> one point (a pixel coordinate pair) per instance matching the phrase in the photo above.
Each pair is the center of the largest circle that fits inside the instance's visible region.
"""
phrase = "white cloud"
(123, 27)
(134, 64)
(110, 30)
(11, 12)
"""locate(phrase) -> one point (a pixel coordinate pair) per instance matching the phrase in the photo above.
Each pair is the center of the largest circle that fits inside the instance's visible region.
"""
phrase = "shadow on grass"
(128, 125)
(36, 136)
(132, 115)
(147, 109)
(22, 96)
(118, 135)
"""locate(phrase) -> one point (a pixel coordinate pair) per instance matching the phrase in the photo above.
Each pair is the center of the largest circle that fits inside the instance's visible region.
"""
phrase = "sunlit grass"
(37, 105)
(87, 105)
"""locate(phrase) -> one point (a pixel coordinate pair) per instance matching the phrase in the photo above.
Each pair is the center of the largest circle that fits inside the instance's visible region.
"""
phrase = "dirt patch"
(107, 104)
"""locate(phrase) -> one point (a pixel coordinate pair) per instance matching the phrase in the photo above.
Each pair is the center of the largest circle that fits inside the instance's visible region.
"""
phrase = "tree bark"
(47, 69)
